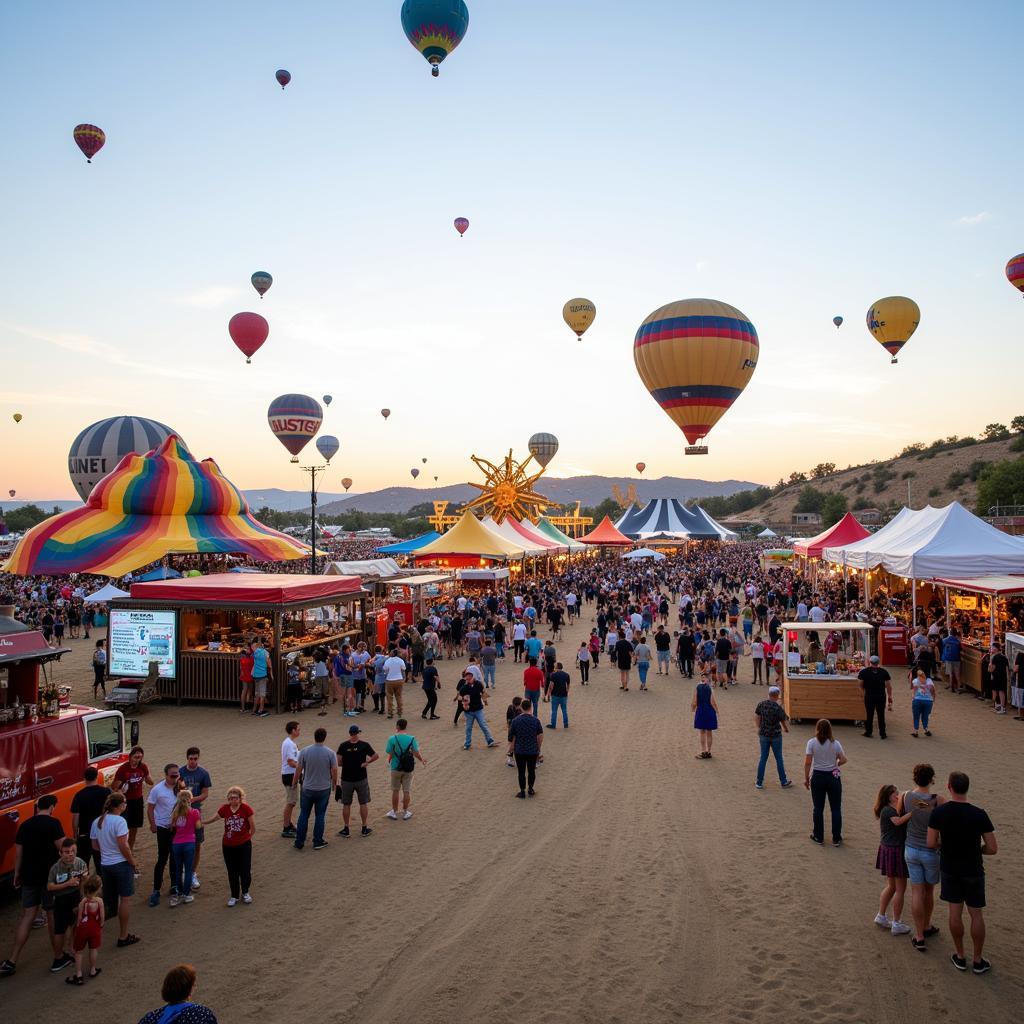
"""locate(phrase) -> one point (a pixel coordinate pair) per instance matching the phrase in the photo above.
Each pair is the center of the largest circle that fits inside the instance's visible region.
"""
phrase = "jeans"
(748, 629)
(686, 666)
(922, 712)
(238, 861)
(874, 703)
(527, 767)
(533, 696)
(774, 745)
(488, 674)
(312, 800)
(183, 856)
(563, 703)
(500, 646)
(641, 669)
(163, 855)
(825, 784)
(478, 717)
(584, 672)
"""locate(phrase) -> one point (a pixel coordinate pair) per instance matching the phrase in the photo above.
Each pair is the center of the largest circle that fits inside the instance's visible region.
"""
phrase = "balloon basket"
(435, 72)
(294, 459)
(248, 361)
(894, 360)
(696, 449)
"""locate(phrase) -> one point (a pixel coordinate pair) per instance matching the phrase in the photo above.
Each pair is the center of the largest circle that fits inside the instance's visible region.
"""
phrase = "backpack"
(406, 758)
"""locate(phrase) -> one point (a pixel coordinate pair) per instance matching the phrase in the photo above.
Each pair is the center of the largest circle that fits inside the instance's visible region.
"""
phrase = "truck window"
(103, 736)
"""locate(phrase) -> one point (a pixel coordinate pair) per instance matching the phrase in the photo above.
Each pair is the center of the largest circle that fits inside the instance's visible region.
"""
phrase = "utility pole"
(313, 472)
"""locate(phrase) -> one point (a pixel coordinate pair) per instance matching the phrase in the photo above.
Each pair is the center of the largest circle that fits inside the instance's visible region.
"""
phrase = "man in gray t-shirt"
(317, 772)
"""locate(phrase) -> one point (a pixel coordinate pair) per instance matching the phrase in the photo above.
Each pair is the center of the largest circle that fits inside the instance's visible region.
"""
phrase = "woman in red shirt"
(239, 828)
(245, 663)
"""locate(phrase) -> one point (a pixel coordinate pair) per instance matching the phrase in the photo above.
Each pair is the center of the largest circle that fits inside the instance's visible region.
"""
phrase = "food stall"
(195, 628)
(410, 598)
(483, 581)
(820, 667)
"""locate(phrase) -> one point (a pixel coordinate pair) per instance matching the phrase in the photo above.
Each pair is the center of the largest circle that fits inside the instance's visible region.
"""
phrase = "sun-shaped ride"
(508, 491)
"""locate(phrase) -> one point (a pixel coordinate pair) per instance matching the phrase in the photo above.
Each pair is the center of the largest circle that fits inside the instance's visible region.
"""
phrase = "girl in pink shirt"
(184, 819)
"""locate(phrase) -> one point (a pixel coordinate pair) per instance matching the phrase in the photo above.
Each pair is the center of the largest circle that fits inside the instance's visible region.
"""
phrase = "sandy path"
(640, 883)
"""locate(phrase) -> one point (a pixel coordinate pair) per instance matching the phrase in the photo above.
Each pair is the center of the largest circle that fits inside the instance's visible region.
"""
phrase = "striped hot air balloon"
(101, 446)
(261, 281)
(89, 140)
(695, 357)
(543, 447)
(294, 421)
(435, 27)
(1015, 272)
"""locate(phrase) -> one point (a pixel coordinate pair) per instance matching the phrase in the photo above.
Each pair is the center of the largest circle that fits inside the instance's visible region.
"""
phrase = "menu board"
(139, 637)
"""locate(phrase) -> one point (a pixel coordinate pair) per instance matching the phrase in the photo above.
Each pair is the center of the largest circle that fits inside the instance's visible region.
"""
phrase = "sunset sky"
(794, 160)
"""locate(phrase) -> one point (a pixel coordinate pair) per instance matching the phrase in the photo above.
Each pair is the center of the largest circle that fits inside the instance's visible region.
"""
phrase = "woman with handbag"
(822, 764)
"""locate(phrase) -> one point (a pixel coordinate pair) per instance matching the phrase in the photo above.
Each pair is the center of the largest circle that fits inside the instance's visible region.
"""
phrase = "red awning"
(606, 533)
(30, 645)
(846, 531)
(232, 588)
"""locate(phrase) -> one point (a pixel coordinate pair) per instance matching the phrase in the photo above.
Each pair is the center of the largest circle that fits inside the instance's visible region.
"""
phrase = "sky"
(795, 160)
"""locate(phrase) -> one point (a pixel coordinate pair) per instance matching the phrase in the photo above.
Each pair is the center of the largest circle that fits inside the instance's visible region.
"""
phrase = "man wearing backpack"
(403, 751)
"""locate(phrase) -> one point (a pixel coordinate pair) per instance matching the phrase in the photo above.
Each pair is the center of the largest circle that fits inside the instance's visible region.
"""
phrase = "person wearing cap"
(876, 685)
(771, 719)
(353, 757)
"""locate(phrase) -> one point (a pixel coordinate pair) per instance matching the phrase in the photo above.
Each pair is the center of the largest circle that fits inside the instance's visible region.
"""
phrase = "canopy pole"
(947, 608)
(992, 620)
(913, 603)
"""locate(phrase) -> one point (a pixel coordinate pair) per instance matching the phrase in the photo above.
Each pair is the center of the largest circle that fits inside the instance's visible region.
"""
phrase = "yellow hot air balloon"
(892, 321)
(17, 417)
(695, 357)
(579, 315)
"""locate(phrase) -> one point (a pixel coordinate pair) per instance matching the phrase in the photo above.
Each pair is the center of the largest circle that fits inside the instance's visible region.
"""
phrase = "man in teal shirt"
(533, 646)
(261, 672)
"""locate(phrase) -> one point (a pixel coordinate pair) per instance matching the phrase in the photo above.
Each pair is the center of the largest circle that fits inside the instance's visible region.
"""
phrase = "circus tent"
(668, 517)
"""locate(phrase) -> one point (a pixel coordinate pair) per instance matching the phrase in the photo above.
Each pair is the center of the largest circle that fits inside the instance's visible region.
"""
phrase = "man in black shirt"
(86, 807)
(557, 692)
(353, 757)
(430, 686)
(999, 668)
(876, 685)
(685, 650)
(963, 835)
(723, 649)
(663, 646)
(473, 700)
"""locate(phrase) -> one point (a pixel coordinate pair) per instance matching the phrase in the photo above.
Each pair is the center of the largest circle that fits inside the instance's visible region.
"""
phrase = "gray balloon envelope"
(328, 446)
(101, 446)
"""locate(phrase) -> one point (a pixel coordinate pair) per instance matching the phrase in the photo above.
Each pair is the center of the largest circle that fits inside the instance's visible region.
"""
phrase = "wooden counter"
(970, 667)
(837, 698)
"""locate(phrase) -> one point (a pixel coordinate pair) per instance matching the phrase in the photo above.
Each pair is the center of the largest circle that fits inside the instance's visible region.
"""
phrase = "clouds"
(210, 297)
(974, 219)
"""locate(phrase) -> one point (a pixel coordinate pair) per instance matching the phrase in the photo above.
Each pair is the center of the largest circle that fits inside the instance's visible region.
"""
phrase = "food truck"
(820, 664)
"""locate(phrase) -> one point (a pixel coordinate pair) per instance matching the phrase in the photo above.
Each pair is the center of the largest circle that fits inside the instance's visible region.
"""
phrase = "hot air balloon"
(17, 417)
(283, 77)
(435, 27)
(346, 482)
(89, 140)
(1015, 272)
(695, 357)
(892, 321)
(294, 419)
(98, 449)
(838, 321)
(385, 413)
(461, 225)
(12, 492)
(579, 315)
(415, 473)
(435, 479)
(328, 446)
(543, 447)
(328, 399)
(261, 281)
(248, 331)
(424, 462)
(641, 466)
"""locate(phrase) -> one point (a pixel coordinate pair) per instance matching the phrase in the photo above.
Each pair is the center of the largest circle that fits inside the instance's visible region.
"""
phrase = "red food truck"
(44, 747)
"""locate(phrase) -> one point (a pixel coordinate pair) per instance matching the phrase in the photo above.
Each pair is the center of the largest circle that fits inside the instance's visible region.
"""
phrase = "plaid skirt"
(891, 863)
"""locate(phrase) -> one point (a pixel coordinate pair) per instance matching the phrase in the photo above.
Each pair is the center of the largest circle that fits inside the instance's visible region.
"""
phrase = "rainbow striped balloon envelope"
(149, 506)
(695, 357)
(1015, 272)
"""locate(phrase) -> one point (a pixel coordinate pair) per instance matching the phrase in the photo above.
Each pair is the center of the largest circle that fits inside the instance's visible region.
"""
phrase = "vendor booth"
(195, 628)
(819, 669)
(488, 581)
(409, 598)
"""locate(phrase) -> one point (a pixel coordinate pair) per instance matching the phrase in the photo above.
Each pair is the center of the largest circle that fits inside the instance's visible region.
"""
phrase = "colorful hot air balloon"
(641, 466)
(1015, 272)
(294, 419)
(328, 399)
(17, 417)
(346, 482)
(838, 321)
(385, 413)
(579, 315)
(695, 357)
(98, 449)
(435, 27)
(283, 77)
(328, 446)
(89, 140)
(261, 281)
(892, 321)
(461, 225)
(543, 447)
(415, 473)
(248, 331)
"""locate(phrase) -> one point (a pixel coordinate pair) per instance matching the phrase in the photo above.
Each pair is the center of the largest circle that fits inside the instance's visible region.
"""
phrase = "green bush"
(934, 492)
(908, 475)
(956, 479)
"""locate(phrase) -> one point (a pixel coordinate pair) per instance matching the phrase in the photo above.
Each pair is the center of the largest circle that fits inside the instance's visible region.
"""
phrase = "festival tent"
(407, 547)
(379, 567)
(659, 515)
(149, 506)
(161, 572)
(548, 529)
(644, 553)
(857, 555)
(724, 533)
(470, 537)
(767, 533)
(106, 593)
(846, 531)
(605, 535)
(529, 532)
(625, 521)
(533, 548)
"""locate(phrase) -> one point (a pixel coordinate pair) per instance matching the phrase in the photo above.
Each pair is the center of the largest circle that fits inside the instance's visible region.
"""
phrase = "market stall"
(819, 669)
(485, 581)
(409, 598)
(195, 628)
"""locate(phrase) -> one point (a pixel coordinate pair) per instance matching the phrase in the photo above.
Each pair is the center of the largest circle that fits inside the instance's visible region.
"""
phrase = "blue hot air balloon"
(328, 446)
(435, 27)
(262, 281)
(294, 420)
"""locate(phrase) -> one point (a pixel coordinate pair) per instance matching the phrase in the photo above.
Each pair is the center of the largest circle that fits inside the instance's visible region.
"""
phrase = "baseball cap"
(353, 730)
(874, 659)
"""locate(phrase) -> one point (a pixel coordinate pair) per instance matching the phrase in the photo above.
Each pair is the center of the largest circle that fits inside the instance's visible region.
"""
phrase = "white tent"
(106, 593)
(378, 567)
(767, 532)
(723, 531)
(644, 553)
(483, 575)
(507, 533)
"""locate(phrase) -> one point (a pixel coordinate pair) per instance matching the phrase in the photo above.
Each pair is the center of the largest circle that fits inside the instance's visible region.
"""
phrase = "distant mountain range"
(290, 501)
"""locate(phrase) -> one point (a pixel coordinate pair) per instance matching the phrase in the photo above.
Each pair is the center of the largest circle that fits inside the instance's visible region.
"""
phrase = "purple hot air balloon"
(328, 446)
(283, 77)
(461, 225)
(295, 419)
(415, 473)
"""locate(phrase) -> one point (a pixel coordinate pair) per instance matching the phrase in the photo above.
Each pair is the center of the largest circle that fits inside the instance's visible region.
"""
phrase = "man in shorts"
(963, 834)
(398, 748)
(289, 762)
(262, 673)
(128, 779)
(353, 757)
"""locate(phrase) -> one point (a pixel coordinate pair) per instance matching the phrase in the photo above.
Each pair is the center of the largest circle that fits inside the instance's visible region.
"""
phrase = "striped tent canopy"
(667, 516)
(152, 505)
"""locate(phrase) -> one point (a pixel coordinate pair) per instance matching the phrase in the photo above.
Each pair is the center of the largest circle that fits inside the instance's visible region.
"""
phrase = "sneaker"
(154, 898)
(187, 899)
(288, 833)
(173, 901)
(320, 846)
(407, 815)
(232, 901)
(918, 944)
(366, 830)
(959, 962)
(758, 785)
(246, 898)
(392, 815)
(981, 966)
(899, 928)
(787, 783)
(882, 921)
(195, 881)
(60, 963)
(6, 968)
(344, 832)
(509, 763)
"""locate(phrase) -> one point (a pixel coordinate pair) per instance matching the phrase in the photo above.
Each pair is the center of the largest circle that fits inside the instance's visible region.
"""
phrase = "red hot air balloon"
(89, 140)
(248, 331)
(1015, 272)
(295, 419)
(461, 225)
(641, 466)
(283, 77)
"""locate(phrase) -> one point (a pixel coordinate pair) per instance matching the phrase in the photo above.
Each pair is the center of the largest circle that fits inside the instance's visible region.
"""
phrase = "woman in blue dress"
(705, 716)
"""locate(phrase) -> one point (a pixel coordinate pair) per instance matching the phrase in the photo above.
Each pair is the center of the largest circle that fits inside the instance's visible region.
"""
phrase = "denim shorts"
(923, 865)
